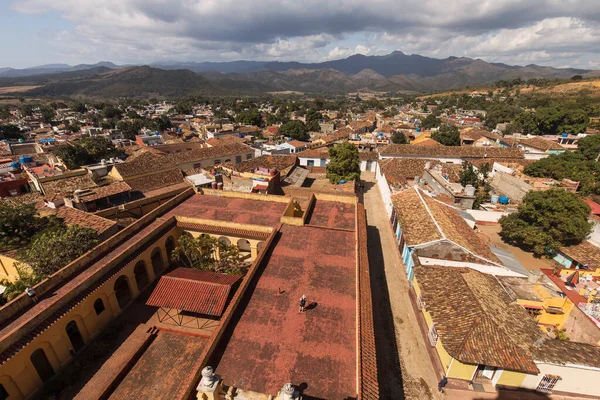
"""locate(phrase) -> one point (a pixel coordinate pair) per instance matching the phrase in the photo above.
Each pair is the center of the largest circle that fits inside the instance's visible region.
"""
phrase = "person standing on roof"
(302, 303)
(32, 294)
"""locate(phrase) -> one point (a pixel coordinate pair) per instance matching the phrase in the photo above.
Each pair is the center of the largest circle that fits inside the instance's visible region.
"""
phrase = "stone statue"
(209, 381)
(288, 392)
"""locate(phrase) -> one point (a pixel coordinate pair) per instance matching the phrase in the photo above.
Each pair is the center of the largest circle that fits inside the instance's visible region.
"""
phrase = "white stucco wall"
(317, 161)
(575, 379)
(384, 189)
(486, 269)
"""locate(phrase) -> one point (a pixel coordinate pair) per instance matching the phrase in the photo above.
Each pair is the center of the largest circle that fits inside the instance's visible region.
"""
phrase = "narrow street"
(401, 353)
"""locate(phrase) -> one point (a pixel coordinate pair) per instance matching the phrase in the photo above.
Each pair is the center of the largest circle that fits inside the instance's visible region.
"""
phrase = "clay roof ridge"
(430, 214)
(180, 278)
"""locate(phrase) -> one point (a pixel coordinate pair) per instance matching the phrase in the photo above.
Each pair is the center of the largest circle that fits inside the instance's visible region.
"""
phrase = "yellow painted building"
(45, 336)
(481, 335)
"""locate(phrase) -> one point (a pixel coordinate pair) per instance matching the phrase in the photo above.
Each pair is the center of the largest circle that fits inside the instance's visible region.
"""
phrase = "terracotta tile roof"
(187, 289)
(368, 383)
(66, 186)
(319, 152)
(428, 142)
(281, 162)
(368, 155)
(566, 352)
(297, 143)
(228, 149)
(476, 321)
(106, 191)
(584, 253)
(398, 170)
(423, 219)
(408, 150)
(155, 181)
(541, 144)
(73, 216)
(141, 163)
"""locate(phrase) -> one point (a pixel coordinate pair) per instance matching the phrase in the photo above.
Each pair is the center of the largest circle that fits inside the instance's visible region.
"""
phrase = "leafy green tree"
(547, 221)
(250, 117)
(589, 146)
(54, 248)
(4, 112)
(206, 253)
(47, 114)
(478, 178)
(131, 128)
(162, 123)
(398, 137)
(313, 126)
(295, 129)
(111, 112)
(344, 163)
(80, 108)
(10, 131)
(569, 165)
(88, 150)
(27, 110)
(18, 224)
(430, 121)
(447, 135)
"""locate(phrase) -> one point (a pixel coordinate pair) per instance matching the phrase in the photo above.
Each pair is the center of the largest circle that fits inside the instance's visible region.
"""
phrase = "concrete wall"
(486, 269)
(364, 164)
(511, 186)
(579, 328)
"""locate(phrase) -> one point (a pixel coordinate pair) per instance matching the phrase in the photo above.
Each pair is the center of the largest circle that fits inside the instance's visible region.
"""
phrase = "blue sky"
(547, 32)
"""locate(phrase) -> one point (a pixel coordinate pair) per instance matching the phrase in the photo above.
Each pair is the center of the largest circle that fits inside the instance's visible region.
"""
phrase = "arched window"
(243, 247)
(122, 291)
(3, 392)
(225, 240)
(99, 306)
(141, 275)
(42, 365)
(157, 262)
(74, 336)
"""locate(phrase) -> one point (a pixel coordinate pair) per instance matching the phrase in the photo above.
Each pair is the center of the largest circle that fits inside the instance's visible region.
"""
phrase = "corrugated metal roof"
(187, 289)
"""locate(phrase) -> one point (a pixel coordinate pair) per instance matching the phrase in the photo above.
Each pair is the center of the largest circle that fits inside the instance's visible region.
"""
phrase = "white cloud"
(311, 30)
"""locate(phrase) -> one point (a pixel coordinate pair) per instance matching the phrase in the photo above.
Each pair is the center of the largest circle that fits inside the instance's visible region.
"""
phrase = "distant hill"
(393, 73)
(51, 69)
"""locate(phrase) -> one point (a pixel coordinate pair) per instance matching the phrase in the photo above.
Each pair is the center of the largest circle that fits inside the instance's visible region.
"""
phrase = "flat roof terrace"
(231, 209)
(272, 343)
(333, 214)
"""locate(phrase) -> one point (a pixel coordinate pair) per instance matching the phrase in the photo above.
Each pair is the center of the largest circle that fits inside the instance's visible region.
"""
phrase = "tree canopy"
(344, 163)
(399, 137)
(431, 121)
(88, 150)
(19, 223)
(10, 131)
(54, 248)
(447, 135)
(295, 129)
(546, 221)
(207, 253)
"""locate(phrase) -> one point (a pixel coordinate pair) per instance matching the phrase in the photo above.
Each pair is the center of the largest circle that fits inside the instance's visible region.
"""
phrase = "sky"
(559, 33)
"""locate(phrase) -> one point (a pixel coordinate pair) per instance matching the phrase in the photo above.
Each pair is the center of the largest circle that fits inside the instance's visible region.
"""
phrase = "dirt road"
(401, 353)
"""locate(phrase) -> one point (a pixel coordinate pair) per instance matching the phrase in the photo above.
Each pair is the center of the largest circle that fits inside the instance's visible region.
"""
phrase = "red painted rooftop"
(594, 206)
(272, 343)
(243, 211)
(187, 289)
(572, 295)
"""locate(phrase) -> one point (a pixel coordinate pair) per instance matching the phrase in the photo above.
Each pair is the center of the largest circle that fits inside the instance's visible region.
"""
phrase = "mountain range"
(392, 73)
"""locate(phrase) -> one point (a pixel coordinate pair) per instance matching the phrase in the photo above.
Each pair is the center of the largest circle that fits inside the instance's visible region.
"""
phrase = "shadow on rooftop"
(389, 373)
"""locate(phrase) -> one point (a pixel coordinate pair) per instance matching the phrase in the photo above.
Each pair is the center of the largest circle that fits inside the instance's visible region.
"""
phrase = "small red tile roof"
(187, 289)
(297, 143)
(409, 150)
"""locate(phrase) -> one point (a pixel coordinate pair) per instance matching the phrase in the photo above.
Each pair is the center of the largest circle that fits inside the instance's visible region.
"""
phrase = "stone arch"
(75, 336)
(42, 365)
(225, 240)
(158, 263)
(244, 248)
(10, 388)
(169, 247)
(122, 291)
(99, 306)
(141, 275)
